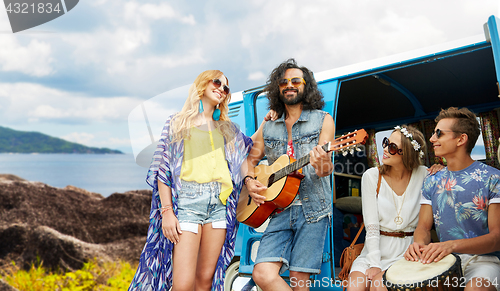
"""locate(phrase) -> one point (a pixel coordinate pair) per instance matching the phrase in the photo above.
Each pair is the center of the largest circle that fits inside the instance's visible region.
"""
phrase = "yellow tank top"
(204, 160)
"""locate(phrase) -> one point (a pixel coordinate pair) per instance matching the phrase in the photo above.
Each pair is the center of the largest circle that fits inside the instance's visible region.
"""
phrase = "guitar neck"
(298, 164)
(345, 143)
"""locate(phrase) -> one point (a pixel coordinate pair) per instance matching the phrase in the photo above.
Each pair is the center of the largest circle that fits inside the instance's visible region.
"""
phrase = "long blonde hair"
(183, 121)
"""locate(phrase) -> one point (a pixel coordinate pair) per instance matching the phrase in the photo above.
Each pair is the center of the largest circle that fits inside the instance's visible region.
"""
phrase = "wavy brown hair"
(313, 98)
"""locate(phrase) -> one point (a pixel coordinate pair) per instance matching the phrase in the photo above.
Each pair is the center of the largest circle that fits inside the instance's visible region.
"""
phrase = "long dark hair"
(313, 98)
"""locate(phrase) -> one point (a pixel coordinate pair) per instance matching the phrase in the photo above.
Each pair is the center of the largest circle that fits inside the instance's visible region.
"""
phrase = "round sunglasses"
(391, 147)
(296, 82)
(217, 83)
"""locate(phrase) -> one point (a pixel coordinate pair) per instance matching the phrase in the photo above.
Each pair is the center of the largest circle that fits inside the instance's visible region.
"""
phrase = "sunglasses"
(217, 83)
(439, 132)
(391, 147)
(296, 82)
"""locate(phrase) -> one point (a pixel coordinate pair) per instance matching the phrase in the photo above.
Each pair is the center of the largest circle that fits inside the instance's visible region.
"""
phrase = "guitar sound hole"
(270, 181)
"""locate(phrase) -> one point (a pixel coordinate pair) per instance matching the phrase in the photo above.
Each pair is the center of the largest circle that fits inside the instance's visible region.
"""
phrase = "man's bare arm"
(320, 160)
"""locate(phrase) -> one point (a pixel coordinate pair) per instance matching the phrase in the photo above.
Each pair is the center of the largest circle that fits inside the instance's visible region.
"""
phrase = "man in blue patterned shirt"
(463, 202)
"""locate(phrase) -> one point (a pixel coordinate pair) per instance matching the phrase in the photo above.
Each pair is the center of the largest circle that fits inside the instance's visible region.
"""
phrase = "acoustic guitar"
(282, 179)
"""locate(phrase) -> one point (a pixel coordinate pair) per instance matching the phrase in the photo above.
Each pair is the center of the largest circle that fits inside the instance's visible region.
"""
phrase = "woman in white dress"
(390, 218)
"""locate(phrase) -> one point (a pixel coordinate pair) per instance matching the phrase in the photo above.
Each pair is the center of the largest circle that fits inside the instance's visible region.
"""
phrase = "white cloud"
(128, 40)
(145, 12)
(257, 76)
(102, 139)
(33, 59)
(79, 137)
(128, 55)
(328, 34)
(35, 103)
(164, 11)
(117, 142)
(192, 56)
(142, 48)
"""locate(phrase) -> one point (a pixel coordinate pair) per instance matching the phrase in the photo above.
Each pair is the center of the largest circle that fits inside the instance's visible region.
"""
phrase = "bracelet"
(245, 179)
(166, 208)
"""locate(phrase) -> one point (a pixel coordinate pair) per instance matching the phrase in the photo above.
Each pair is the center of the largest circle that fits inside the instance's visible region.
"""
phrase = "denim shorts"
(199, 204)
(289, 239)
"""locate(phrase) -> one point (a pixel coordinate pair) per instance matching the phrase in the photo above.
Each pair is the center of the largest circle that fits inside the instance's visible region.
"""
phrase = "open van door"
(491, 32)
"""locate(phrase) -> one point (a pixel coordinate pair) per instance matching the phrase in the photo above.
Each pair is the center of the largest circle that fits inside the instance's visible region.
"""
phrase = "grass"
(95, 275)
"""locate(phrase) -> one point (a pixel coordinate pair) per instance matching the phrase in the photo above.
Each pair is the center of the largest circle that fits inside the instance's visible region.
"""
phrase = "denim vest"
(315, 192)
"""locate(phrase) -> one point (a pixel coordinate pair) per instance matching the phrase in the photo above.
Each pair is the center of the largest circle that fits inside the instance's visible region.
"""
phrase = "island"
(14, 141)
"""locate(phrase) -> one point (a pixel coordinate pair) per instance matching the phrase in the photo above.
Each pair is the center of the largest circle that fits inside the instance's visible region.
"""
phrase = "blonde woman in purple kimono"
(196, 180)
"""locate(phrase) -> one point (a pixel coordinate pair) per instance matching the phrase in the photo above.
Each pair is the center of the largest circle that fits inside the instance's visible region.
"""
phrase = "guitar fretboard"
(281, 173)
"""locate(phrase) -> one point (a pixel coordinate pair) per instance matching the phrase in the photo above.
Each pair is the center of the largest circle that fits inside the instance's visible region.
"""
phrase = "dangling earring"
(200, 109)
(216, 114)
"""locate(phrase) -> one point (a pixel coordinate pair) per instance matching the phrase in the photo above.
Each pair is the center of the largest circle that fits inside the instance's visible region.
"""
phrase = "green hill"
(13, 141)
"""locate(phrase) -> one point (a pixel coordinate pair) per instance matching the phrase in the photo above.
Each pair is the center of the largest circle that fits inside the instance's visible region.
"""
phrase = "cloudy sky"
(79, 76)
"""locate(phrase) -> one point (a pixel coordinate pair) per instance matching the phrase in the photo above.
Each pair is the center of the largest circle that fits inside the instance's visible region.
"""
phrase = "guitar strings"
(298, 164)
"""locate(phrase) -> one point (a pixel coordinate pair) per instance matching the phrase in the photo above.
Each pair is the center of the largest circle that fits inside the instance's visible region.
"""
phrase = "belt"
(396, 233)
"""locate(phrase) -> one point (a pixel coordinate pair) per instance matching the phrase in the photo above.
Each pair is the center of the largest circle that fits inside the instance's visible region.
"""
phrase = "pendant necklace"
(398, 219)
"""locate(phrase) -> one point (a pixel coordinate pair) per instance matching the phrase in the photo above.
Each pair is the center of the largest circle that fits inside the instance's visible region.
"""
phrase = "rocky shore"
(66, 227)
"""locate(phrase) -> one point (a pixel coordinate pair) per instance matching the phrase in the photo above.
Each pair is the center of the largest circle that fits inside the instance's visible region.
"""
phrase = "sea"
(101, 173)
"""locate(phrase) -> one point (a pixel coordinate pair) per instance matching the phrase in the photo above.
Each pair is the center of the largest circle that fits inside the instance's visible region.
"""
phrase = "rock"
(83, 191)
(6, 287)
(5, 178)
(67, 227)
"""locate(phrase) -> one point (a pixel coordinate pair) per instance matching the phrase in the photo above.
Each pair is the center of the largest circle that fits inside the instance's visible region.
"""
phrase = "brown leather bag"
(350, 253)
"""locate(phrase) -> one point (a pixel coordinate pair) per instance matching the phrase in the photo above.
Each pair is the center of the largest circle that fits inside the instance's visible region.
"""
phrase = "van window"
(379, 137)
(478, 152)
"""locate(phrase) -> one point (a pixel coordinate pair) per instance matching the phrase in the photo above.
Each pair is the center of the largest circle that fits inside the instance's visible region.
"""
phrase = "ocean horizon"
(100, 173)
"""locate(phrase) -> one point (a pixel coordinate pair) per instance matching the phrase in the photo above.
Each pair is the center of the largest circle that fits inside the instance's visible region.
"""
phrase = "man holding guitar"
(294, 238)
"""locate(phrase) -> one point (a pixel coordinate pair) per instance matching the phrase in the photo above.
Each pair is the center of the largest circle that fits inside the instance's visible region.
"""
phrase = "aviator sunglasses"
(218, 83)
(439, 132)
(391, 147)
(296, 82)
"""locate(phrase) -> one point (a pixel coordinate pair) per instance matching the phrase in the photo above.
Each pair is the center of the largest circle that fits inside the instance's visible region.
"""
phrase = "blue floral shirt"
(155, 265)
(460, 200)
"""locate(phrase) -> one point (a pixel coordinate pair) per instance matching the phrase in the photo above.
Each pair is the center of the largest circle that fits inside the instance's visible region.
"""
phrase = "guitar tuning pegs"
(358, 149)
(344, 153)
(351, 150)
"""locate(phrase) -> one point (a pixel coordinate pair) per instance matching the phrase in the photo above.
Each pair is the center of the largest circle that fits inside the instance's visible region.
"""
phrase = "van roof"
(371, 65)
(367, 66)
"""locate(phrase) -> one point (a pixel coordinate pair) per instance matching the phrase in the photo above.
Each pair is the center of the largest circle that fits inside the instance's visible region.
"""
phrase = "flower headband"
(414, 143)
